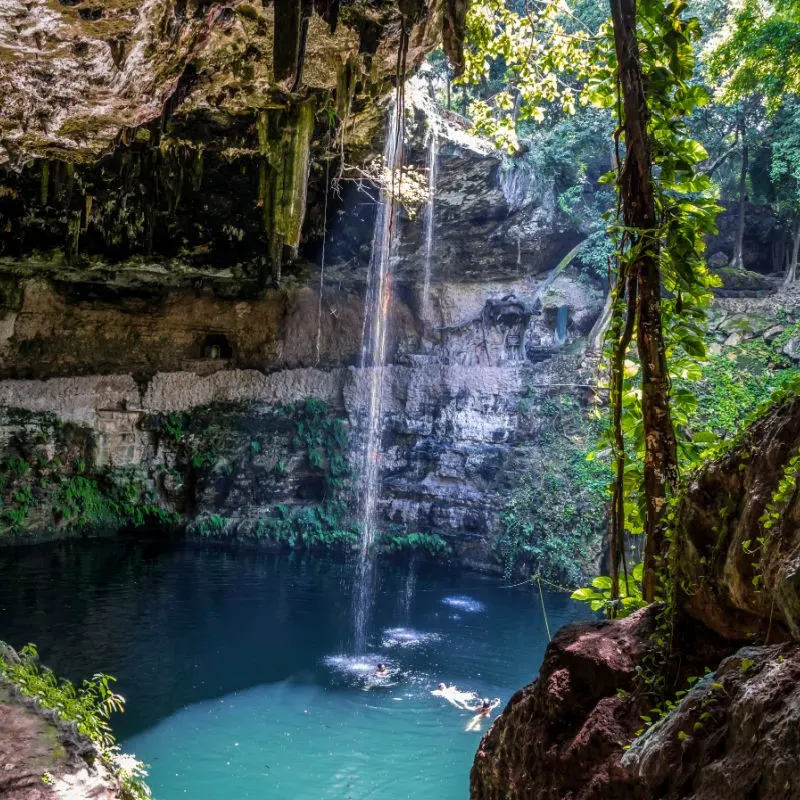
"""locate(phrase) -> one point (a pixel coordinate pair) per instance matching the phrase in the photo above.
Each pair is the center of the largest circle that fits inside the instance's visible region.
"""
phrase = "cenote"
(238, 670)
(334, 334)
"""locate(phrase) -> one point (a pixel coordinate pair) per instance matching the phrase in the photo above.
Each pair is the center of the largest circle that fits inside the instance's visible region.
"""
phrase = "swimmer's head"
(486, 702)
(381, 667)
(441, 687)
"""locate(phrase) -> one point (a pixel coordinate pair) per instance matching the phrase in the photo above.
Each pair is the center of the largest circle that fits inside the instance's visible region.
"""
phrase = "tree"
(755, 62)
(758, 52)
(554, 61)
(785, 175)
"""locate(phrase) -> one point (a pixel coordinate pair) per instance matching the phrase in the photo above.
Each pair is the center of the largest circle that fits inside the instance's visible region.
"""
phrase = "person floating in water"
(381, 671)
(455, 696)
(484, 710)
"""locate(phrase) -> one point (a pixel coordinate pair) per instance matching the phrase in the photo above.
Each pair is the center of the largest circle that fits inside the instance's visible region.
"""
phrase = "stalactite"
(454, 22)
(87, 211)
(286, 41)
(284, 143)
(307, 9)
(329, 11)
(45, 181)
(72, 244)
(197, 170)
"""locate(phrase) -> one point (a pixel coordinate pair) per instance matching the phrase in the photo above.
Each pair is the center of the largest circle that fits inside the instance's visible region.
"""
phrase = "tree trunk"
(638, 209)
(791, 272)
(738, 245)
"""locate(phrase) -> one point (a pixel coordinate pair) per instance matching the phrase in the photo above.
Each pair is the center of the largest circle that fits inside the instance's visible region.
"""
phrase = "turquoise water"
(238, 671)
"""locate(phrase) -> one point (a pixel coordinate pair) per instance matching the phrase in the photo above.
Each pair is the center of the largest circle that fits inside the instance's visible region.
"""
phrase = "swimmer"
(484, 709)
(454, 696)
(381, 670)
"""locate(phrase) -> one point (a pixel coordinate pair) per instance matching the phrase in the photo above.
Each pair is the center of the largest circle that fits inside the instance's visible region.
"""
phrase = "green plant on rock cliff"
(598, 595)
(395, 541)
(735, 382)
(208, 526)
(554, 517)
(49, 471)
(98, 501)
(89, 706)
(307, 528)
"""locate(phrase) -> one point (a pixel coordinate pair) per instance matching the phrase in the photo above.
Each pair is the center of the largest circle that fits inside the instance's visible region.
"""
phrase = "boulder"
(738, 534)
(562, 736)
(572, 735)
(717, 260)
(736, 735)
(792, 347)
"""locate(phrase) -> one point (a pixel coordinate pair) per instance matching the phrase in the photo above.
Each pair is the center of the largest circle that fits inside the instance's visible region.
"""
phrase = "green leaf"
(584, 594)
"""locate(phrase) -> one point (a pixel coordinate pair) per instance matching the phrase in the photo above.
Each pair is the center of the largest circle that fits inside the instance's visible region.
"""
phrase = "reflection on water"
(463, 603)
(405, 637)
(237, 670)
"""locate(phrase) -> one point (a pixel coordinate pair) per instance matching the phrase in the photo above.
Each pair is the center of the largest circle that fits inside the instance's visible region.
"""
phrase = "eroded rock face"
(468, 406)
(42, 758)
(738, 533)
(562, 736)
(76, 75)
(734, 735)
(187, 134)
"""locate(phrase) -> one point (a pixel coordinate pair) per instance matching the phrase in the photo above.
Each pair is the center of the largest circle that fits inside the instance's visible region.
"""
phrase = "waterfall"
(373, 361)
(429, 220)
(322, 264)
(561, 325)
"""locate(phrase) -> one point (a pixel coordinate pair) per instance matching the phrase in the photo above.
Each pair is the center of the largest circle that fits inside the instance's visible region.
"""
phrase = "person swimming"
(381, 670)
(454, 696)
(484, 710)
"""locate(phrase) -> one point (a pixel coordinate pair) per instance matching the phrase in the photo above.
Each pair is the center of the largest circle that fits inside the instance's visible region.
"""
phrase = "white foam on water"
(464, 603)
(407, 637)
(360, 670)
(353, 665)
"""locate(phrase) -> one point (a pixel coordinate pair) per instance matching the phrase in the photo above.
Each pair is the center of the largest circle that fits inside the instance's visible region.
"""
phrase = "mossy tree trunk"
(641, 263)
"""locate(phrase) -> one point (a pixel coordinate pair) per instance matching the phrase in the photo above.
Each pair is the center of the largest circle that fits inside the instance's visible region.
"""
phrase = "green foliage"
(312, 429)
(598, 595)
(785, 490)
(317, 528)
(758, 51)
(172, 427)
(39, 487)
(208, 526)
(556, 510)
(733, 388)
(89, 706)
(324, 438)
(430, 544)
(100, 502)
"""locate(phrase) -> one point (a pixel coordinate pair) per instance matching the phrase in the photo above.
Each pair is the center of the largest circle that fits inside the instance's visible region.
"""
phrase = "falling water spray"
(433, 147)
(373, 361)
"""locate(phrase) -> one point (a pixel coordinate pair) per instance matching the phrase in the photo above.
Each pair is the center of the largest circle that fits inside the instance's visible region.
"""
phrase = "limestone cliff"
(472, 397)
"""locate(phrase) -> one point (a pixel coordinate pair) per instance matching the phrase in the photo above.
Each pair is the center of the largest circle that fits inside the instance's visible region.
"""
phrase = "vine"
(665, 206)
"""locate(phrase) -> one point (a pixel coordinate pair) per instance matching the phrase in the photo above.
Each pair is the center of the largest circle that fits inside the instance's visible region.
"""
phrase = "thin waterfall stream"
(373, 361)
(433, 148)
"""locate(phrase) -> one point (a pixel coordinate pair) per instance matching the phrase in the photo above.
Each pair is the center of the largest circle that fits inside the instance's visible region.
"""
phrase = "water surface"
(238, 668)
